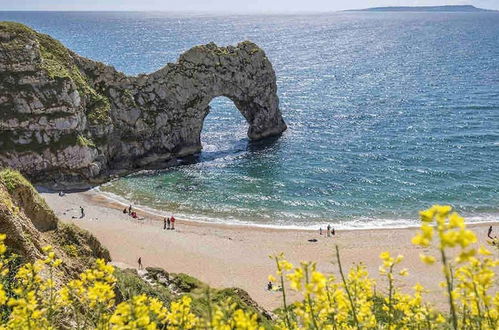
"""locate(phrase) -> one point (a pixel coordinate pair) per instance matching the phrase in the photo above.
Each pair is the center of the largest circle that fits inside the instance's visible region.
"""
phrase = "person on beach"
(82, 212)
(172, 220)
(164, 223)
(320, 231)
(333, 232)
(489, 234)
(125, 211)
(168, 222)
(140, 263)
(328, 230)
(134, 215)
(130, 209)
(269, 286)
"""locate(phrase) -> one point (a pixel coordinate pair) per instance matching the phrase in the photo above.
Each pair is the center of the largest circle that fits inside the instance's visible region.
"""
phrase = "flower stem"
(354, 312)
(449, 288)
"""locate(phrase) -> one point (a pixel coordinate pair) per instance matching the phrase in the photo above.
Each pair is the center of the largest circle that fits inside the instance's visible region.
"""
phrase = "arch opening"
(224, 129)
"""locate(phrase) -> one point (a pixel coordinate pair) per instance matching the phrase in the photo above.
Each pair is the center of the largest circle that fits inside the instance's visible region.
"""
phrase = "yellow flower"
(427, 259)
(455, 221)
(440, 319)
(427, 215)
(483, 251)
(384, 255)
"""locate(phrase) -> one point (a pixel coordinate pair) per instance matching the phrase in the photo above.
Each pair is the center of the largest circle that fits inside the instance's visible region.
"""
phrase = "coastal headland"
(68, 120)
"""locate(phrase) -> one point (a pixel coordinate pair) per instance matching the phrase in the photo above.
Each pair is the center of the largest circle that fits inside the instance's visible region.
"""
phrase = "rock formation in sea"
(65, 118)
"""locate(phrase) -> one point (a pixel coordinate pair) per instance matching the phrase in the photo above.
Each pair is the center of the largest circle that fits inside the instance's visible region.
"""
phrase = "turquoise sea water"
(387, 114)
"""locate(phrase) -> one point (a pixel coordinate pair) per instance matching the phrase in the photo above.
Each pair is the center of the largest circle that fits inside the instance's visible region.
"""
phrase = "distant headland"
(447, 8)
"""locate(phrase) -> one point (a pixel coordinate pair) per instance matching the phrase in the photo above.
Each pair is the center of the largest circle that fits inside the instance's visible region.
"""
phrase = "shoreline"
(224, 255)
(113, 200)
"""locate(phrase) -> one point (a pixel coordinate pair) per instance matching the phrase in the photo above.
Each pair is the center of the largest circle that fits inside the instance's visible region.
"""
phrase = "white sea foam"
(360, 223)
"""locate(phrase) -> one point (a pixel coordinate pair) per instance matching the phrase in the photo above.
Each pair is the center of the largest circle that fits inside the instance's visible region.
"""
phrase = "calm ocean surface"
(388, 113)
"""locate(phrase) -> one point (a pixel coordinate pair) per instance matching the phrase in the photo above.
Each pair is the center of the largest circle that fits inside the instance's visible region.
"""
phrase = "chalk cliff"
(65, 118)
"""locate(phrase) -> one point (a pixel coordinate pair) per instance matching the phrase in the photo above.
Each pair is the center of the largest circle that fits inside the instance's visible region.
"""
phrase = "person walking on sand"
(489, 234)
(164, 223)
(130, 209)
(333, 232)
(320, 231)
(139, 261)
(168, 223)
(172, 220)
(82, 212)
(328, 230)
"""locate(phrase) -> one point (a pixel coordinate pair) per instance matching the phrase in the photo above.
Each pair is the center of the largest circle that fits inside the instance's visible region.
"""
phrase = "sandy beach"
(237, 256)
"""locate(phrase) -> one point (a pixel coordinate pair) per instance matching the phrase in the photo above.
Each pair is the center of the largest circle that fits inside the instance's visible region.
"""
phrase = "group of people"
(329, 231)
(131, 213)
(169, 223)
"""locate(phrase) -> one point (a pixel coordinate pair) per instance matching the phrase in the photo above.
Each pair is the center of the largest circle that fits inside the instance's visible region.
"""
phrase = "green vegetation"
(7, 143)
(98, 109)
(78, 242)
(128, 98)
(12, 179)
(12, 263)
(18, 193)
(71, 250)
(58, 62)
(6, 201)
(22, 32)
(130, 284)
(85, 142)
(186, 283)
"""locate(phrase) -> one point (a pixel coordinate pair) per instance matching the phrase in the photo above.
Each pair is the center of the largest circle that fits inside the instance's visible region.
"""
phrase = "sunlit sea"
(388, 113)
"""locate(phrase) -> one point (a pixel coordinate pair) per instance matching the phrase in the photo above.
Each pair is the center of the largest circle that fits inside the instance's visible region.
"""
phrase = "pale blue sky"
(262, 6)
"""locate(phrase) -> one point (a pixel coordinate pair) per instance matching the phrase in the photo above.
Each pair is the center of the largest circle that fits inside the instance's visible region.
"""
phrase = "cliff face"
(30, 225)
(67, 118)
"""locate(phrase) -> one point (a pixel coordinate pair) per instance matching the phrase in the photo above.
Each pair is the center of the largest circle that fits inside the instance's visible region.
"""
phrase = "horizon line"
(230, 12)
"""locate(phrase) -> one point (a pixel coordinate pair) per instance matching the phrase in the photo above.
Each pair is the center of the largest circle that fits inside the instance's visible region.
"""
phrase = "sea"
(388, 113)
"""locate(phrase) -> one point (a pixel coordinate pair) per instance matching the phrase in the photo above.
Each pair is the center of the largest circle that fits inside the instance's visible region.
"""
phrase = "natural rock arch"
(71, 118)
(243, 74)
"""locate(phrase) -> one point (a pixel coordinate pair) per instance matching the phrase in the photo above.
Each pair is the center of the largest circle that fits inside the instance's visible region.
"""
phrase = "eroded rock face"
(64, 117)
(30, 224)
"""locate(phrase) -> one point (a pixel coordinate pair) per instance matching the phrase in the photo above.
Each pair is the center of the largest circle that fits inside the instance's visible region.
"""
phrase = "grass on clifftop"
(12, 179)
